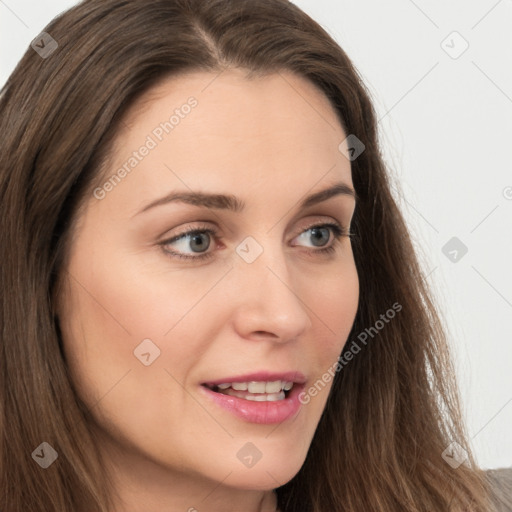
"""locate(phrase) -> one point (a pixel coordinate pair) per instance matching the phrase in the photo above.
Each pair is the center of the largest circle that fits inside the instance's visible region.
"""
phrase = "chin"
(264, 478)
(273, 469)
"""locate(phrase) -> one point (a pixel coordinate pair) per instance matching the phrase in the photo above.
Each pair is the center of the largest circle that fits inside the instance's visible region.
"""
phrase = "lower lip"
(259, 412)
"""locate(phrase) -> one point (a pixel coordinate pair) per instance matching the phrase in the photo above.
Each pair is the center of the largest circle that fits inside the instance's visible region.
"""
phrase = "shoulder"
(500, 482)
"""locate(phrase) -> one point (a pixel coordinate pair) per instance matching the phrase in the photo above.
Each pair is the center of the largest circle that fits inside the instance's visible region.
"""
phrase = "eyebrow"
(234, 204)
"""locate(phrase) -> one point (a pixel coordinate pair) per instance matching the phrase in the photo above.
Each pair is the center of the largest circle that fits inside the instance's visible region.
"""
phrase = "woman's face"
(253, 297)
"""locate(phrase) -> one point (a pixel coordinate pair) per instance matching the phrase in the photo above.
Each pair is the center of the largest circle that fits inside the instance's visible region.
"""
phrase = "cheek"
(124, 303)
(327, 351)
(119, 317)
(334, 308)
(135, 402)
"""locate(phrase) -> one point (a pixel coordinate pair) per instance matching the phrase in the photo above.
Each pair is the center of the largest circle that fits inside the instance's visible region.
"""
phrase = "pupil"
(318, 235)
(201, 244)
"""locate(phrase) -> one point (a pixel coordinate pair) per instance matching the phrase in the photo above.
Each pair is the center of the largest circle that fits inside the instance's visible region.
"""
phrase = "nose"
(268, 304)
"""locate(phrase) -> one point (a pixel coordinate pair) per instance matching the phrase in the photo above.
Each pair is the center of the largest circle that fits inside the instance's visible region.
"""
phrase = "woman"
(176, 333)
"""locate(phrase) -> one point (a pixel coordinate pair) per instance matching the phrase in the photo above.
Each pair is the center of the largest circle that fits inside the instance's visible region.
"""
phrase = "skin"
(269, 141)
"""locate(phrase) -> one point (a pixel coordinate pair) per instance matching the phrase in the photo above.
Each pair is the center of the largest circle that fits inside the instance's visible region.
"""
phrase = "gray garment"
(501, 484)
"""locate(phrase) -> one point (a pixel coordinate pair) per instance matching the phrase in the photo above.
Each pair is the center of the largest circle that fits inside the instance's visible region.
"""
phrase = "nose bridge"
(264, 261)
(270, 301)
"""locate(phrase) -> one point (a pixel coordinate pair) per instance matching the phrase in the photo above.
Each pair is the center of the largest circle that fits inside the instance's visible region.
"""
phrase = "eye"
(320, 234)
(198, 241)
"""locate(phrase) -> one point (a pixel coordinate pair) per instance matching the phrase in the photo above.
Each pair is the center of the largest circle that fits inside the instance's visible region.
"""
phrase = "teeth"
(270, 397)
(257, 391)
(273, 387)
(256, 387)
(260, 387)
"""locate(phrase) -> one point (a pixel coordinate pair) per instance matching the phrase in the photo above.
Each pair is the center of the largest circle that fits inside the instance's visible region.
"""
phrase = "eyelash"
(338, 231)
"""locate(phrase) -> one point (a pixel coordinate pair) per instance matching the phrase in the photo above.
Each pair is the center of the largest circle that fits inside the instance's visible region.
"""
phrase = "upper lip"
(263, 376)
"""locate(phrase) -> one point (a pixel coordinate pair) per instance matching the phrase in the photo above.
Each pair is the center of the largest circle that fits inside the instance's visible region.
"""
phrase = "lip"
(258, 412)
(294, 376)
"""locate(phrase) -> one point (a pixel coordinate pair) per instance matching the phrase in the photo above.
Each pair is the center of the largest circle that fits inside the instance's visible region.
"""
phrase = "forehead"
(208, 130)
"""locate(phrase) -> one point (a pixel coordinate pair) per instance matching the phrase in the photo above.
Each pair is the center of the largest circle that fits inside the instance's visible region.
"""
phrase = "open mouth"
(256, 391)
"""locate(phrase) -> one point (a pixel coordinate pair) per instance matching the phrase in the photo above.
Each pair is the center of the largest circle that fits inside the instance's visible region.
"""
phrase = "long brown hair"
(392, 411)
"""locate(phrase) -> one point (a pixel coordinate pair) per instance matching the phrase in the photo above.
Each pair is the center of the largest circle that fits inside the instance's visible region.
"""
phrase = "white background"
(446, 130)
